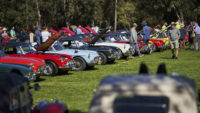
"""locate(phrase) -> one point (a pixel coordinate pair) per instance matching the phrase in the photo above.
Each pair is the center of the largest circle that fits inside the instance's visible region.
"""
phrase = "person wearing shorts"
(174, 36)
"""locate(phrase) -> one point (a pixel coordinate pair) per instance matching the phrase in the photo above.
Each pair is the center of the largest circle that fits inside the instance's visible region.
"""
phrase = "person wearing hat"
(38, 35)
(133, 39)
(146, 32)
(5, 36)
(182, 38)
(174, 36)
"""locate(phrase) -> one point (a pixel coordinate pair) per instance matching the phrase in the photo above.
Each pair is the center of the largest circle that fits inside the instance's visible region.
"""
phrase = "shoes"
(141, 55)
(173, 57)
(176, 58)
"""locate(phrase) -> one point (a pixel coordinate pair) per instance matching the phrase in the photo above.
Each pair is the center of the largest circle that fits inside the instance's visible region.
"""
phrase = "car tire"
(51, 70)
(120, 55)
(104, 59)
(80, 64)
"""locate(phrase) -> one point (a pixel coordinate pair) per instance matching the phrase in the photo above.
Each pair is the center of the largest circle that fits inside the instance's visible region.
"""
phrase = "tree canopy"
(29, 13)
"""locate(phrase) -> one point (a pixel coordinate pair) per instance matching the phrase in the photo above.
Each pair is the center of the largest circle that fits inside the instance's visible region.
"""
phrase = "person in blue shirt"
(38, 35)
(78, 31)
(146, 32)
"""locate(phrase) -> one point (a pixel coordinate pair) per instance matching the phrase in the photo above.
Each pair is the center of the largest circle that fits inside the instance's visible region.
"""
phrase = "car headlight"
(110, 50)
(43, 60)
(124, 46)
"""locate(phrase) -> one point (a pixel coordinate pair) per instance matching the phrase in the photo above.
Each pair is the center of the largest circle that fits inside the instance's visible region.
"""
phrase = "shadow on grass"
(64, 74)
(76, 111)
(39, 80)
(166, 57)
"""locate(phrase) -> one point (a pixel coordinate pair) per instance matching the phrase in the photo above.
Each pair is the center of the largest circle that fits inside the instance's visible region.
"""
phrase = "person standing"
(12, 34)
(190, 32)
(45, 34)
(134, 38)
(38, 35)
(5, 36)
(182, 38)
(174, 36)
(79, 31)
(197, 37)
(146, 32)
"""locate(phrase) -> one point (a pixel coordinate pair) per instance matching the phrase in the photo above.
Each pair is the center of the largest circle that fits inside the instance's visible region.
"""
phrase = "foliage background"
(24, 13)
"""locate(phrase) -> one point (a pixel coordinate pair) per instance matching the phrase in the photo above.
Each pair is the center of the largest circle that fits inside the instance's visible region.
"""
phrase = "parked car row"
(140, 93)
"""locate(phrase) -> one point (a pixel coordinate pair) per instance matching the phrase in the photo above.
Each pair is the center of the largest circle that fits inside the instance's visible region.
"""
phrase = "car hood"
(98, 37)
(21, 61)
(49, 42)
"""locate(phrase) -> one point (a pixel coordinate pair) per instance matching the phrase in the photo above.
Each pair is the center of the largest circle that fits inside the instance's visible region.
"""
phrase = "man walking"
(38, 35)
(146, 32)
(174, 36)
(133, 40)
(197, 37)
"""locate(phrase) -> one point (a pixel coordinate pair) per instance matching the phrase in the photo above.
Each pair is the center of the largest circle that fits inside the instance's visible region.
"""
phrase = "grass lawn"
(76, 88)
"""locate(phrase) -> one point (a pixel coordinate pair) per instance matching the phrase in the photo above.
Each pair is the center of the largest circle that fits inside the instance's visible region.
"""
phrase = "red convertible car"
(36, 64)
(55, 62)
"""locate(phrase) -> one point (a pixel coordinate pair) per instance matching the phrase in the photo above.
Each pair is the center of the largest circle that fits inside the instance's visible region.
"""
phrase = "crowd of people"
(176, 33)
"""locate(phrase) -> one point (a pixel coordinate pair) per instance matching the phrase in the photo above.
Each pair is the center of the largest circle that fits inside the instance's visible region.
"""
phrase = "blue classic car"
(83, 58)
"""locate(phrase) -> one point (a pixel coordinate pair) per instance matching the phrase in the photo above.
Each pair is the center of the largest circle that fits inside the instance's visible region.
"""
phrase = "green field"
(76, 88)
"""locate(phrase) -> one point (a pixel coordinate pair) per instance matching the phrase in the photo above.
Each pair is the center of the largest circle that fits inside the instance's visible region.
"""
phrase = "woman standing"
(5, 36)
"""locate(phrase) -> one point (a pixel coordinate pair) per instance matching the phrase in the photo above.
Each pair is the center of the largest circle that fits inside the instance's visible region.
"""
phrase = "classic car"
(145, 93)
(17, 69)
(125, 49)
(37, 65)
(15, 94)
(83, 58)
(107, 54)
(122, 38)
(54, 62)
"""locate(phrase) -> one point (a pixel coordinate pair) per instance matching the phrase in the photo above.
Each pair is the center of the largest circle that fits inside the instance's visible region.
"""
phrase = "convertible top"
(13, 44)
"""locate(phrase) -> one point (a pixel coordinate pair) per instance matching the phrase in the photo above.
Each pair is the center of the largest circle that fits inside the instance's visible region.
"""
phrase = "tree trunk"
(38, 12)
(115, 24)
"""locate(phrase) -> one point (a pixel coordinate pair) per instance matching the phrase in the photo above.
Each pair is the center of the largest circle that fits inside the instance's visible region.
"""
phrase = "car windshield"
(27, 49)
(2, 53)
(58, 46)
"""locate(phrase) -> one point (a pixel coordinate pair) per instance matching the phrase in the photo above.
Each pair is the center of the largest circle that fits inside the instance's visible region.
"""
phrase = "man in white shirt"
(45, 34)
